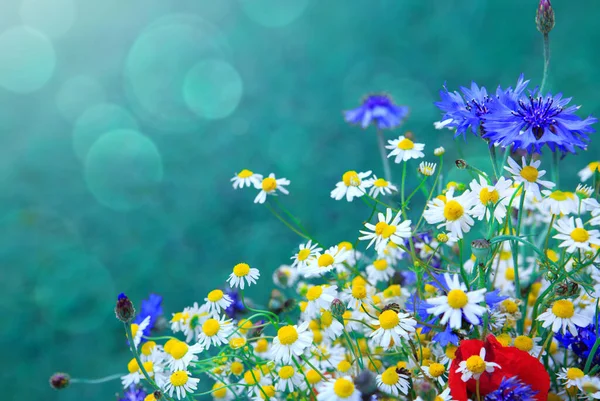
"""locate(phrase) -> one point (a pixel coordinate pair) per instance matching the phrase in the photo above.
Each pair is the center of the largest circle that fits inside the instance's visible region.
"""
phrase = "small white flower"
(269, 186)
(379, 186)
(181, 383)
(180, 355)
(333, 258)
(305, 253)
(246, 178)
(589, 385)
(193, 317)
(427, 169)
(243, 273)
(342, 389)
(529, 175)
(456, 303)
(319, 297)
(488, 197)
(574, 236)
(588, 171)
(289, 379)
(387, 229)
(331, 327)
(452, 212)
(137, 330)
(291, 341)
(353, 185)
(216, 301)
(435, 371)
(392, 382)
(569, 376)
(474, 366)
(392, 326)
(215, 332)
(558, 202)
(380, 270)
(562, 317)
(135, 374)
(404, 149)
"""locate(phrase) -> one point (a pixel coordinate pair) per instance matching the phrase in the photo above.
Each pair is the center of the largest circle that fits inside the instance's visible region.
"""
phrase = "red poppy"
(512, 361)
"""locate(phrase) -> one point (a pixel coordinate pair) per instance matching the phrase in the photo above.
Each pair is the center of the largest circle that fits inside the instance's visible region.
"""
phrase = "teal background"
(121, 123)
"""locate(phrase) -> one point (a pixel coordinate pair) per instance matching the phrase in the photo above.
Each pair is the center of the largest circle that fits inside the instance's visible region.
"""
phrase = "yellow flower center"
(211, 327)
(594, 166)
(149, 367)
(148, 347)
(406, 144)
(563, 309)
(438, 398)
(388, 319)
(178, 350)
(314, 292)
(505, 339)
(236, 368)
(134, 329)
(219, 390)
(457, 299)
(486, 196)
(510, 306)
(389, 376)
(251, 377)
(343, 388)
(215, 295)
(303, 254)
(393, 290)
(169, 344)
(450, 351)
(574, 373)
(261, 345)
(245, 173)
(509, 274)
(530, 173)
(388, 231)
(267, 392)
(345, 245)
(381, 183)
(359, 291)
(476, 364)
(269, 184)
(287, 335)
(241, 269)
(133, 366)
(453, 210)
(379, 227)
(150, 397)
(552, 255)
(524, 343)
(179, 378)
(286, 372)
(436, 369)
(179, 316)
(313, 376)
(380, 264)
(351, 179)
(237, 342)
(558, 195)
(580, 235)
(344, 366)
(325, 260)
(326, 319)
(244, 325)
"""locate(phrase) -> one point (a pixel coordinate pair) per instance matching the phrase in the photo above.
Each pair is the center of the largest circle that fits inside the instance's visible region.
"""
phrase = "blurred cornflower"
(582, 343)
(236, 305)
(379, 110)
(133, 393)
(512, 389)
(151, 307)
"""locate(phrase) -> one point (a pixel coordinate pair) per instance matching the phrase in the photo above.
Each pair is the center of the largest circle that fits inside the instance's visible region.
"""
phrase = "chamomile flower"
(353, 185)
(332, 258)
(380, 270)
(574, 236)
(569, 376)
(379, 186)
(135, 375)
(405, 149)
(392, 326)
(342, 389)
(590, 386)
(558, 202)
(305, 253)
(181, 383)
(246, 178)
(137, 330)
(180, 355)
(291, 340)
(392, 382)
(319, 297)
(243, 273)
(357, 295)
(435, 371)
(588, 171)
(285, 276)
(491, 197)
(529, 175)
(266, 393)
(562, 317)
(215, 332)
(221, 393)
(331, 327)
(452, 212)
(216, 301)
(289, 378)
(194, 317)
(530, 345)
(427, 169)
(178, 321)
(475, 366)
(388, 229)
(456, 303)
(269, 186)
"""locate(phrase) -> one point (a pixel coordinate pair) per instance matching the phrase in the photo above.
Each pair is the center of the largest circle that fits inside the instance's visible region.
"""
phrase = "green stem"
(288, 225)
(546, 62)
(494, 162)
(97, 381)
(387, 172)
(430, 193)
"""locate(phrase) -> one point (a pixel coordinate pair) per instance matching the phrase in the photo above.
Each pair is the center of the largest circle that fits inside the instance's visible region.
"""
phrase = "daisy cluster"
(485, 289)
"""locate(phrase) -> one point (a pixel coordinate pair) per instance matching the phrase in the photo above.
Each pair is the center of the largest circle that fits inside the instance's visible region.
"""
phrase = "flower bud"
(366, 383)
(59, 381)
(461, 164)
(480, 248)
(157, 395)
(439, 151)
(544, 18)
(124, 310)
(338, 308)
(442, 238)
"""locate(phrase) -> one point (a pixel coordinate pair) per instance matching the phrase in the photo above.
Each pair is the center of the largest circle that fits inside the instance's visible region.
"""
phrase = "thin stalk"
(387, 173)
(97, 381)
(546, 62)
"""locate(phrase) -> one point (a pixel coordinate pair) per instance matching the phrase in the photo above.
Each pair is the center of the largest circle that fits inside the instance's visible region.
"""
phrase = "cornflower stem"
(494, 162)
(546, 62)
(387, 172)
(136, 355)
(288, 225)
(555, 168)
(515, 255)
(437, 176)
(97, 381)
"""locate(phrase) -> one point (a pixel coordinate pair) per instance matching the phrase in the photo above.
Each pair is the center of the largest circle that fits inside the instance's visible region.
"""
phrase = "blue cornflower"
(236, 306)
(492, 298)
(133, 394)
(448, 336)
(379, 110)
(150, 307)
(530, 122)
(512, 389)
(583, 342)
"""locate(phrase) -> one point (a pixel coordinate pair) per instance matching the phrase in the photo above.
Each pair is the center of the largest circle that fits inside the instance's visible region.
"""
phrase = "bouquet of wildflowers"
(487, 290)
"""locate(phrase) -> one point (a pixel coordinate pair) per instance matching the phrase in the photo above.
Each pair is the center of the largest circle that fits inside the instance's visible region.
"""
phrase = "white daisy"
(269, 186)
(242, 272)
(305, 253)
(574, 236)
(289, 379)
(530, 345)
(392, 382)
(246, 178)
(387, 229)
(357, 295)
(452, 212)
(178, 320)
(562, 317)
(588, 171)
(137, 330)
(216, 301)
(285, 276)
(194, 317)
(558, 202)
(342, 389)
(404, 149)
(435, 371)
(590, 386)
(222, 393)
(330, 326)
(266, 393)
(181, 383)
(488, 197)
(569, 376)
(135, 374)
(427, 169)
(474, 366)
(392, 326)
(379, 186)
(291, 341)
(457, 302)
(319, 297)
(380, 270)
(529, 175)
(332, 258)
(181, 354)
(215, 332)
(352, 185)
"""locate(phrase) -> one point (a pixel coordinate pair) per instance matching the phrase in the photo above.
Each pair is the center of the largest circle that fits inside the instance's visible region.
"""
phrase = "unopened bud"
(480, 248)
(442, 238)
(124, 310)
(439, 151)
(461, 164)
(157, 395)
(544, 18)
(567, 289)
(59, 381)
(338, 308)
(393, 306)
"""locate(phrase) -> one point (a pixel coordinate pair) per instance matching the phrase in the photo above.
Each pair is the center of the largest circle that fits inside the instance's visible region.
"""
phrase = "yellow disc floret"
(390, 376)
(211, 327)
(314, 292)
(269, 184)
(351, 179)
(530, 173)
(406, 144)
(286, 372)
(325, 260)
(241, 269)
(287, 335)
(343, 388)
(215, 295)
(524, 343)
(563, 309)
(436, 369)
(179, 378)
(476, 364)
(486, 196)
(388, 319)
(245, 174)
(580, 235)
(453, 210)
(457, 299)
(178, 350)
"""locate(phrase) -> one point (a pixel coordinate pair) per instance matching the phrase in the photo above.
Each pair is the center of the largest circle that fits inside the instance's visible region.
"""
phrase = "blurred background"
(122, 122)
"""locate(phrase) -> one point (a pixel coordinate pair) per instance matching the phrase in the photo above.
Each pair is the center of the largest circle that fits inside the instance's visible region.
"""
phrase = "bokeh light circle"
(157, 65)
(213, 89)
(77, 94)
(53, 17)
(274, 13)
(27, 60)
(96, 121)
(123, 169)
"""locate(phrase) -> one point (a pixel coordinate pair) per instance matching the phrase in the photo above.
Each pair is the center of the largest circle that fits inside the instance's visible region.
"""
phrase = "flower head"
(246, 178)
(464, 112)
(341, 389)
(392, 326)
(393, 381)
(574, 236)
(529, 175)
(561, 316)
(353, 185)
(512, 389)
(243, 273)
(269, 186)
(291, 340)
(379, 110)
(405, 149)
